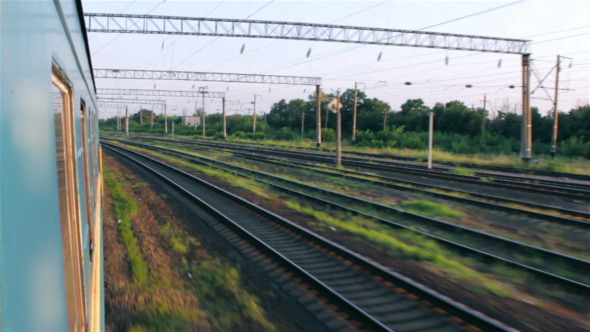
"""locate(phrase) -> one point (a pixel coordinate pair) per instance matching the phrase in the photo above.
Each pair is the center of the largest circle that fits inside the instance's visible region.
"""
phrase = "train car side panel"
(37, 42)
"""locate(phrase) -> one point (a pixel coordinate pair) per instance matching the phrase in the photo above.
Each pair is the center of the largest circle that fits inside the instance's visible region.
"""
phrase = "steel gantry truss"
(158, 93)
(199, 26)
(131, 101)
(205, 76)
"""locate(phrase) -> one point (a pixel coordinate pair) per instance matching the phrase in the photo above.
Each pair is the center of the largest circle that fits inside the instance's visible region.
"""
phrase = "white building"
(191, 120)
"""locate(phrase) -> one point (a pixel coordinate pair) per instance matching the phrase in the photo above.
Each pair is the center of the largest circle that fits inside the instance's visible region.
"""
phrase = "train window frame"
(70, 219)
(86, 156)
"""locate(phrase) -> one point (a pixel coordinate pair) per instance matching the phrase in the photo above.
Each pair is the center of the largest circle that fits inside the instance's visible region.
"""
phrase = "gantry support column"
(555, 113)
(318, 92)
(224, 123)
(526, 149)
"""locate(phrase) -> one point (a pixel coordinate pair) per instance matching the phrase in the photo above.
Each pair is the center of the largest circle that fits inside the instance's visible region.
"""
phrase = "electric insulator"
(499, 63)
(447, 61)
(468, 86)
(243, 47)
(379, 56)
(408, 83)
(308, 52)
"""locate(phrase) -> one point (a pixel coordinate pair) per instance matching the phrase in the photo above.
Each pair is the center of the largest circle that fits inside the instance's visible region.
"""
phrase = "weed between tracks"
(124, 207)
(216, 294)
(406, 245)
(398, 243)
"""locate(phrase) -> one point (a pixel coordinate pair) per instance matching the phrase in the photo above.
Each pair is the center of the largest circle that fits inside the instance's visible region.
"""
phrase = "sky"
(436, 75)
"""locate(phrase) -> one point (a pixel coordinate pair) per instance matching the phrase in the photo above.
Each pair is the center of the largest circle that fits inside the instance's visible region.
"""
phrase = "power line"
(476, 14)
(119, 35)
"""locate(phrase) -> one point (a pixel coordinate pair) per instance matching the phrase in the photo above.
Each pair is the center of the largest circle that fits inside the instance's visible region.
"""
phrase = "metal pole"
(165, 120)
(384, 120)
(126, 121)
(224, 123)
(254, 121)
(483, 118)
(354, 113)
(430, 136)
(140, 116)
(339, 133)
(204, 131)
(555, 113)
(318, 115)
(152, 120)
(302, 123)
(527, 125)
(172, 128)
(118, 119)
(196, 114)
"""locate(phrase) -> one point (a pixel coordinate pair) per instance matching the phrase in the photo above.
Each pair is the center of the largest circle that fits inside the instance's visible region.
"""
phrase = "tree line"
(458, 128)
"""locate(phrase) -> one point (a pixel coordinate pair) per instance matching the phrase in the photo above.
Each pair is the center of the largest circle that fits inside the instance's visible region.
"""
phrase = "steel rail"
(451, 307)
(568, 192)
(548, 276)
(549, 217)
(478, 167)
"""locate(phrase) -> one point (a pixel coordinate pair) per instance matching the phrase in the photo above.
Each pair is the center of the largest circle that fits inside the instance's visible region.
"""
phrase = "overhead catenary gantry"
(216, 77)
(122, 102)
(157, 93)
(199, 26)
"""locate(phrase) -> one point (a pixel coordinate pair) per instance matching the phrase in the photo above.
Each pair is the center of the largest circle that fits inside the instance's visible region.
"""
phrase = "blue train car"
(51, 273)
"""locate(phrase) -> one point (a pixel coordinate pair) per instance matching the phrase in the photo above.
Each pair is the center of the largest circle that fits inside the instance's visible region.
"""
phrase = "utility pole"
(384, 120)
(555, 113)
(224, 123)
(483, 118)
(254, 121)
(126, 121)
(318, 93)
(196, 114)
(336, 106)
(140, 116)
(354, 113)
(527, 118)
(430, 136)
(152, 119)
(118, 119)
(302, 122)
(203, 91)
(165, 120)
(339, 131)
(172, 128)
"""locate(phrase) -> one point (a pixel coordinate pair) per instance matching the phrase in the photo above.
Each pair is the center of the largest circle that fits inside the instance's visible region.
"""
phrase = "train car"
(51, 270)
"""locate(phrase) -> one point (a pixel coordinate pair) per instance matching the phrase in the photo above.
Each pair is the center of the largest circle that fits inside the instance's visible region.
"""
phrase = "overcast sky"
(554, 27)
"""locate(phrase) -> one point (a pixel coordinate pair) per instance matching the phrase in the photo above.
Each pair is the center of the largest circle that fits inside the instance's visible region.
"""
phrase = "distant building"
(191, 120)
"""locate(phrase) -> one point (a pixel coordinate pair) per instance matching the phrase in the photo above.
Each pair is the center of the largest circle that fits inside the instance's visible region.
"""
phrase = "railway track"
(490, 248)
(565, 216)
(576, 189)
(554, 188)
(369, 295)
(446, 165)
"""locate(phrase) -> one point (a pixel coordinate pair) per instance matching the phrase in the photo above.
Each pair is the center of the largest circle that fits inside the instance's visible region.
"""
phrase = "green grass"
(431, 209)
(462, 171)
(221, 288)
(407, 244)
(217, 285)
(124, 208)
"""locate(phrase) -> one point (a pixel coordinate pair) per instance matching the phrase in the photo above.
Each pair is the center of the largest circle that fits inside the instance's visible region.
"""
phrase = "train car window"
(68, 200)
(87, 163)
